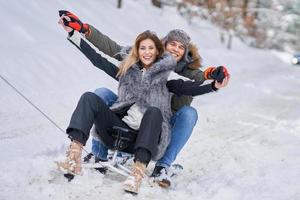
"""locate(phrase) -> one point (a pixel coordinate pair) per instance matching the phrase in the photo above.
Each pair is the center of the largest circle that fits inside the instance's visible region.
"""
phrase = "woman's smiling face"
(147, 52)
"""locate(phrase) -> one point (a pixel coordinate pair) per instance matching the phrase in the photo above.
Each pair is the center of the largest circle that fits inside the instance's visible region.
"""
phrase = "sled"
(118, 158)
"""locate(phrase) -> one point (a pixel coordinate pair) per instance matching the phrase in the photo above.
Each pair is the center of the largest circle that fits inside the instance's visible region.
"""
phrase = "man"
(177, 42)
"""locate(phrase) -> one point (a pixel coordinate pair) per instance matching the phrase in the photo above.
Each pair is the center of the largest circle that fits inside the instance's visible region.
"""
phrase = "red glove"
(207, 72)
(216, 73)
(72, 21)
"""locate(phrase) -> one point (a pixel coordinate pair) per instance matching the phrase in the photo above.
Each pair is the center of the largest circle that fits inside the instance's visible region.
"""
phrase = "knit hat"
(179, 36)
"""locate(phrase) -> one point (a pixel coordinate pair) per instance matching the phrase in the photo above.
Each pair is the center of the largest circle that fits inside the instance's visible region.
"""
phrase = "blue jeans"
(182, 123)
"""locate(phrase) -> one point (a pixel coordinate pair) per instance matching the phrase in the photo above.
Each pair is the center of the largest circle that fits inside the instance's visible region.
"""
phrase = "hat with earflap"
(179, 36)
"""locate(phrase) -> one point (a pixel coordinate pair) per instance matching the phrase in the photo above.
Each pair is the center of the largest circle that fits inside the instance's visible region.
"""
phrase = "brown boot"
(133, 182)
(72, 163)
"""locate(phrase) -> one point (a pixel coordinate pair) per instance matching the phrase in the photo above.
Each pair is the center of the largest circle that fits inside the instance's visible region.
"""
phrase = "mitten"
(216, 73)
(72, 21)
(208, 71)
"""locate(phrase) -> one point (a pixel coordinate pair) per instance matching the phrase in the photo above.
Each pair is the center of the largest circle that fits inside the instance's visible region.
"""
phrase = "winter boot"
(133, 182)
(160, 175)
(72, 163)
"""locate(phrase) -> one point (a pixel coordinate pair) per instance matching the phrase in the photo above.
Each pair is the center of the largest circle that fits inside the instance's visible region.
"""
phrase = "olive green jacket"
(189, 69)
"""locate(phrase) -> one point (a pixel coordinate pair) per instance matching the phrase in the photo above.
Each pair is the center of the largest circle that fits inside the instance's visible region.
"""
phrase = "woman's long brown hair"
(133, 56)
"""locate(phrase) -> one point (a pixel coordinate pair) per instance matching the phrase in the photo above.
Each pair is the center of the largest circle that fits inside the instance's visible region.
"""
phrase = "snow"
(244, 146)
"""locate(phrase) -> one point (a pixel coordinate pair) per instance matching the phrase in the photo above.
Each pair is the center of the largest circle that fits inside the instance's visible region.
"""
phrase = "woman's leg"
(146, 143)
(90, 109)
(149, 133)
(83, 117)
(99, 150)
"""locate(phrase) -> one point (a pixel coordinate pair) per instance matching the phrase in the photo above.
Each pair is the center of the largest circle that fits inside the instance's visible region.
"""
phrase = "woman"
(143, 99)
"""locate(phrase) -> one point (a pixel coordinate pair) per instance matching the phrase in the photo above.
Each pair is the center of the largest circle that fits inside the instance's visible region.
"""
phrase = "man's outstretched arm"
(104, 43)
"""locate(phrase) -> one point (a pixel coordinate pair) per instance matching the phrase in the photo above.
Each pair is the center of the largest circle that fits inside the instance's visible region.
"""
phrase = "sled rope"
(32, 104)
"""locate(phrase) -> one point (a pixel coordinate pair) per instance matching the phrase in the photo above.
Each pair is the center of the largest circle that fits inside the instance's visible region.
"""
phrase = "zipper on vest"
(143, 72)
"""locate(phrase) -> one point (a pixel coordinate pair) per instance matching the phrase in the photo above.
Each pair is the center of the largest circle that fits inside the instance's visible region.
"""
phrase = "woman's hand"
(61, 22)
(71, 22)
(224, 82)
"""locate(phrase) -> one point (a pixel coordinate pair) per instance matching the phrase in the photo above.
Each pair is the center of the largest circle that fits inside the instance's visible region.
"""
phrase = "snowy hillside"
(245, 145)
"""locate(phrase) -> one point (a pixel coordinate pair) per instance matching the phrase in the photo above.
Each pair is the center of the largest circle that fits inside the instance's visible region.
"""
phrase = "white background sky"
(245, 145)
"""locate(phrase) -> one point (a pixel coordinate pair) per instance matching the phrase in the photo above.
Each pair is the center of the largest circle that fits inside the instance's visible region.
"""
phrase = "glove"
(216, 73)
(72, 21)
(208, 71)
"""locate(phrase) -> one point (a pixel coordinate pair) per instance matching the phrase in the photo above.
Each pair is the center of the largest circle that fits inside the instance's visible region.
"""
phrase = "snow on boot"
(161, 176)
(72, 163)
(133, 182)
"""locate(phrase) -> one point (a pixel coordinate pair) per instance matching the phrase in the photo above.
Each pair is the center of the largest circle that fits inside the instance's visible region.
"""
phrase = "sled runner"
(123, 140)
(120, 155)
(117, 165)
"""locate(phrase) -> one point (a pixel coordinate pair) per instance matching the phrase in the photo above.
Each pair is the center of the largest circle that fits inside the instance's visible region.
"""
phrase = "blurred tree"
(276, 24)
(293, 27)
(259, 23)
(119, 3)
(162, 3)
(156, 3)
(245, 9)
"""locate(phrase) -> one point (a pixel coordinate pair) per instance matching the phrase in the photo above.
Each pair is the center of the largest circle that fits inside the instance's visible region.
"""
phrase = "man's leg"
(182, 122)
(99, 150)
(108, 96)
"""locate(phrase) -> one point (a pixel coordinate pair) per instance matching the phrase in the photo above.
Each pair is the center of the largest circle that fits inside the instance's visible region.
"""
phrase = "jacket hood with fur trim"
(194, 58)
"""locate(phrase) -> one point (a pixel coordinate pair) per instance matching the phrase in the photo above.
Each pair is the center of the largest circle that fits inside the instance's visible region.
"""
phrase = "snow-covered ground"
(245, 145)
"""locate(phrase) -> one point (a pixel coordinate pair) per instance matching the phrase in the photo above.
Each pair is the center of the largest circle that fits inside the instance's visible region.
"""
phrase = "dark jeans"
(93, 110)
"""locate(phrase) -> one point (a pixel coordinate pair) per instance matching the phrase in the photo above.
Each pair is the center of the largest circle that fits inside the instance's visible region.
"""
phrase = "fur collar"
(165, 63)
(195, 57)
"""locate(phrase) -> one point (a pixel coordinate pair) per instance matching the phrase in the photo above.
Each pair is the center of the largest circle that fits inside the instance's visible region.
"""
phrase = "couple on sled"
(153, 100)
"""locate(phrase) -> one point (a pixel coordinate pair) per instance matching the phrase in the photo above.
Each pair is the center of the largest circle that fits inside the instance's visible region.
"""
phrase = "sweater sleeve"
(89, 51)
(180, 87)
(104, 43)
(194, 74)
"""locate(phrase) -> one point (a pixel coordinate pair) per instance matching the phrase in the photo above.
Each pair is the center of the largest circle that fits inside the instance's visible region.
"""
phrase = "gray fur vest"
(149, 89)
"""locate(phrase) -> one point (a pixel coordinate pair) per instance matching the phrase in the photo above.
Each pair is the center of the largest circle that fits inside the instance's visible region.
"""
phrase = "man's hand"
(216, 73)
(224, 83)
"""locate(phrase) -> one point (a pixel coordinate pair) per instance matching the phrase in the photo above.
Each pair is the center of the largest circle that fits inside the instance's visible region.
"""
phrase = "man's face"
(176, 49)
